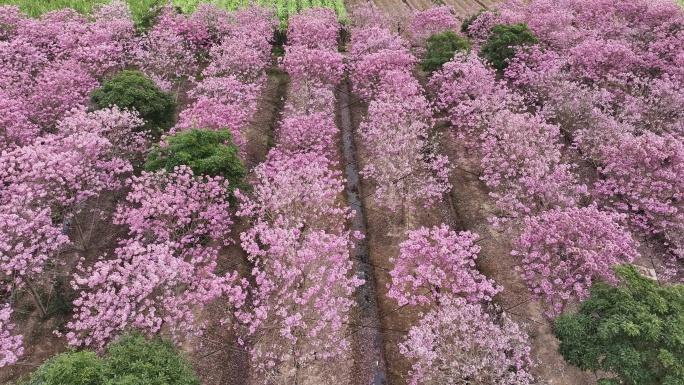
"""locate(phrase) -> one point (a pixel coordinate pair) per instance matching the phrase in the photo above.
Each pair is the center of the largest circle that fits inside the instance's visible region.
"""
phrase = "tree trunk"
(36, 299)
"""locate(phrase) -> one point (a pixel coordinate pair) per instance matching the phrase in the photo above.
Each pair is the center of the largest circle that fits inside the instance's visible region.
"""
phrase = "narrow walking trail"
(371, 367)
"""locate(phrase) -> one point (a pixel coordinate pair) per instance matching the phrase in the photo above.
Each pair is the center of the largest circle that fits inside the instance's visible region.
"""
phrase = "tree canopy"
(634, 331)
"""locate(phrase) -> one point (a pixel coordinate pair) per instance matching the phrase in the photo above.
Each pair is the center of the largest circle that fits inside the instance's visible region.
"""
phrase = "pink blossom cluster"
(147, 287)
(564, 251)
(51, 64)
(53, 176)
(520, 154)
(164, 273)
(395, 130)
(10, 345)
(438, 262)
(432, 21)
(227, 95)
(168, 52)
(298, 244)
(459, 342)
(610, 75)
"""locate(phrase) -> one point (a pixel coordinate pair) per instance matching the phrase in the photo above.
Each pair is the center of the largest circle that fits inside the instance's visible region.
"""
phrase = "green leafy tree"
(132, 360)
(441, 48)
(503, 41)
(134, 91)
(206, 152)
(634, 331)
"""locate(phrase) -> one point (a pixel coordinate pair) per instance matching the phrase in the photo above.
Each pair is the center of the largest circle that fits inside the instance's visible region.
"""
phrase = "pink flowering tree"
(61, 172)
(16, 128)
(164, 54)
(302, 299)
(468, 95)
(58, 89)
(148, 287)
(10, 345)
(564, 251)
(432, 21)
(459, 343)
(437, 262)
(29, 242)
(165, 272)
(521, 163)
(296, 190)
(176, 207)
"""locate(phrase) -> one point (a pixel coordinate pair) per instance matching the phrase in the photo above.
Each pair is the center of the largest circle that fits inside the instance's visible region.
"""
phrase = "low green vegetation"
(34, 8)
(141, 8)
(502, 43)
(441, 48)
(134, 91)
(633, 332)
(133, 360)
(206, 152)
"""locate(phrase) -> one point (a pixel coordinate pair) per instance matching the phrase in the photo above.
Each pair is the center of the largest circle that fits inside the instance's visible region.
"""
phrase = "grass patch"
(140, 8)
(35, 8)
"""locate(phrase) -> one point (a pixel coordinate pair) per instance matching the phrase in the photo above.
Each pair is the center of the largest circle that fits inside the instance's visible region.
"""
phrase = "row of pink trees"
(231, 84)
(522, 160)
(45, 184)
(462, 337)
(616, 94)
(163, 274)
(50, 65)
(298, 246)
(402, 160)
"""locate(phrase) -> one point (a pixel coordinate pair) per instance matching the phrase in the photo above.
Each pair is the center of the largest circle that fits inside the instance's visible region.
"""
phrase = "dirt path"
(369, 360)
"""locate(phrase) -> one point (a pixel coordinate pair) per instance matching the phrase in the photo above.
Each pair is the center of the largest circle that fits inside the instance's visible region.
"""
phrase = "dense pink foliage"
(10, 345)
(165, 271)
(432, 21)
(460, 343)
(176, 207)
(165, 54)
(146, 287)
(303, 292)
(227, 95)
(564, 251)
(28, 241)
(298, 245)
(16, 128)
(610, 75)
(395, 131)
(438, 262)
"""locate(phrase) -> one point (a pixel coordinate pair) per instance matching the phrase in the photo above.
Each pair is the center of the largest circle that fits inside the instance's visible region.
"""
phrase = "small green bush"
(206, 152)
(501, 44)
(73, 368)
(133, 360)
(441, 48)
(132, 90)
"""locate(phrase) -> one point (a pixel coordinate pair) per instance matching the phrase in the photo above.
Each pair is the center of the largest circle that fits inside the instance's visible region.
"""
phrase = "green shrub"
(206, 152)
(441, 48)
(133, 360)
(634, 331)
(132, 90)
(73, 368)
(501, 44)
